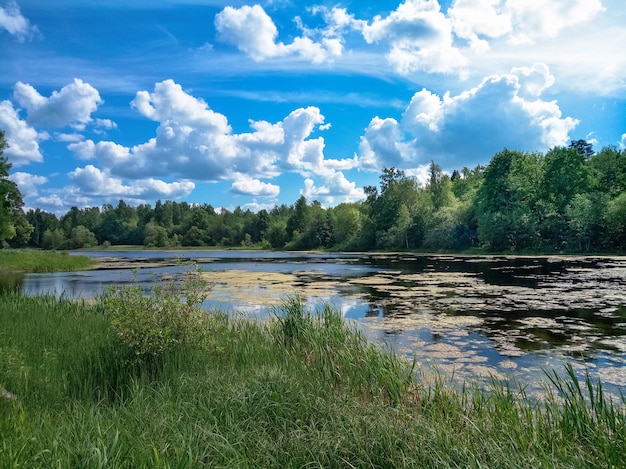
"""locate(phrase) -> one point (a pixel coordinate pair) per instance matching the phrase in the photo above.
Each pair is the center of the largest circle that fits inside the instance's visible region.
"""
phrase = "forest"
(570, 199)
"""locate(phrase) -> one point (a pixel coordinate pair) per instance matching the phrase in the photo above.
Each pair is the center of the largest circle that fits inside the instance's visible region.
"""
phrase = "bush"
(169, 318)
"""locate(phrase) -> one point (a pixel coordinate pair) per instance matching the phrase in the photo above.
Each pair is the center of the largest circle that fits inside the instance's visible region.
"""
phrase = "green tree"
(298, 219)
(608, 171)
(164, 214)
(583, 147)
(347, 222)
(586, 215)
(565, 175)
(391, 213)
(440, 187)
(14, 227)
(155, 236)
(53, 239)
(616, 219)
(506, 202)
(120, 225)
(81, 237)
(40, 221)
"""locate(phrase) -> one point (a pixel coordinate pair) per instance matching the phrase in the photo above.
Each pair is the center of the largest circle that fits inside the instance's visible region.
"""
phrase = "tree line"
(570, 199)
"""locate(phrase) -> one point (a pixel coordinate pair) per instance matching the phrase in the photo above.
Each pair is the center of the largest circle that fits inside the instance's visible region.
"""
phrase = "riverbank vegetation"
(36, 261)
(153, 381)
(568, 200)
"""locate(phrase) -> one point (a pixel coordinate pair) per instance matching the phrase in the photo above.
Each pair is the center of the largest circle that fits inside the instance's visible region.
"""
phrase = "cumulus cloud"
(421, 174)
(519, 22)
(23, 139)
(419, 36)
(476, 19)
(256, 207)
(384, 141)
(334, 184)
(252, 31)
(502, 111)
(92, 181)
(72, 105)
(546, 18)
(28, 183)
(12, 20)
(63, 137)
(194, 142)
(249, 186)
(622, 143)
(51, 202)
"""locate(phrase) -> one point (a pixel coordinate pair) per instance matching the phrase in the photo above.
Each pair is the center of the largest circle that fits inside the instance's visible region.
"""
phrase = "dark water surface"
(474, 317)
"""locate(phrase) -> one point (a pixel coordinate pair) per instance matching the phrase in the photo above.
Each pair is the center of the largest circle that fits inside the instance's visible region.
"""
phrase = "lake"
(474, 317)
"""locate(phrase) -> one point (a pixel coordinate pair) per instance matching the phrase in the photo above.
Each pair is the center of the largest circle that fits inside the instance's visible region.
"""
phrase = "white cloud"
(256, 207)
(421, 173)
(306, 156)
(533, 80)
(249, 186)
(384, 145)
(62, 137)
(471, 127)
(546, 18)
(194, 142)
(252, 31)
(53, 201)
(72, 105)
(622, 143)
(23, 140)
(105, 124)
(475, 19)
(12, 20)
(311, 192)
(334, 185)
(59, 200)
(517, 21)
(419, 36)
(95, 182)
(169, 102)
(28, 183)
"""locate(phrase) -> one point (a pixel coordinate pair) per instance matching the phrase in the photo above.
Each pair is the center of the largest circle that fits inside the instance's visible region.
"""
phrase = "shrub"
(166, 319)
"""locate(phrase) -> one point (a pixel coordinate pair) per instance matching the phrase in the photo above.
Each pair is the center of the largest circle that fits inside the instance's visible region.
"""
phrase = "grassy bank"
(34, 261)
(84, 387)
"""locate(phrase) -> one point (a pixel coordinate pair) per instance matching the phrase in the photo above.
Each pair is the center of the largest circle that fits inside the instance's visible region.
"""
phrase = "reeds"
(302, 390)
(33, 261)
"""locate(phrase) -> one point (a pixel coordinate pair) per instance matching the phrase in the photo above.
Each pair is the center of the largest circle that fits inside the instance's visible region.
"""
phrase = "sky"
(255, 104)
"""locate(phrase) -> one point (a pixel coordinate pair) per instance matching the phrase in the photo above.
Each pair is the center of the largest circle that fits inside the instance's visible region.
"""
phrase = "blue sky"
(254, 104)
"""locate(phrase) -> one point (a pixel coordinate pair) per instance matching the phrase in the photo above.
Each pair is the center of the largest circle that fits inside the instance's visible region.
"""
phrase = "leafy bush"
(169, 318)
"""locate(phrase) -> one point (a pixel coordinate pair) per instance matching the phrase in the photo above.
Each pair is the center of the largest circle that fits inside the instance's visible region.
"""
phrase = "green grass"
(34, 261)
(302, 390)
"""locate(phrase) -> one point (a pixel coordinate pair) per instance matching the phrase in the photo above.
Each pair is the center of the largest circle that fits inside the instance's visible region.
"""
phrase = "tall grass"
(302, 390)
(34, 261)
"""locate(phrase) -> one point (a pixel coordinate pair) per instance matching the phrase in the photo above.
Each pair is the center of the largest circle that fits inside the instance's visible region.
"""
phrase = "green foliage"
(616, 219)
(304, 390)
(170, 317)
(342, 356)
(155, 236)
(81, 237)
(519, 202)
(14, 228)
(29, 260)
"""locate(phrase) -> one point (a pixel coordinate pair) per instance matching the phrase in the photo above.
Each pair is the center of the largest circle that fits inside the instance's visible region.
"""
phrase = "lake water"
(473, 317)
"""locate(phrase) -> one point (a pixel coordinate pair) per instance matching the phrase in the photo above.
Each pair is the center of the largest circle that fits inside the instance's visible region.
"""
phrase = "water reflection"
(474, 316)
